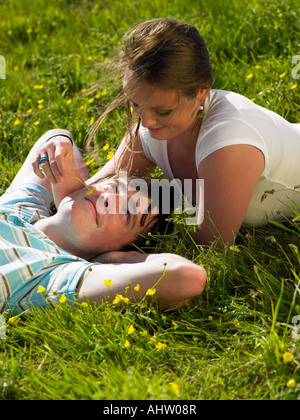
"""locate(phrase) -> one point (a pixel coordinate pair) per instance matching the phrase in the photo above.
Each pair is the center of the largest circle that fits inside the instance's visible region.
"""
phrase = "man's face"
(103, 220)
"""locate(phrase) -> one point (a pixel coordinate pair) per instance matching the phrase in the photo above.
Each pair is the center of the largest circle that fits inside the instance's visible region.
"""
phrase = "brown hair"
(152, 223)
(166, 53)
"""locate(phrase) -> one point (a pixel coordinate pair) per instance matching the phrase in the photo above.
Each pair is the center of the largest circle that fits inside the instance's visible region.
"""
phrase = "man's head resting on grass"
(111, 215)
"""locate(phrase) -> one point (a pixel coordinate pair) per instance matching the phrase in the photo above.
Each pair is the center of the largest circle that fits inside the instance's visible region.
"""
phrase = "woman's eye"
(163, 114)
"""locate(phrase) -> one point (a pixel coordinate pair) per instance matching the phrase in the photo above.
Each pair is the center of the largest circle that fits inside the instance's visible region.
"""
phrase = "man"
(44, 255)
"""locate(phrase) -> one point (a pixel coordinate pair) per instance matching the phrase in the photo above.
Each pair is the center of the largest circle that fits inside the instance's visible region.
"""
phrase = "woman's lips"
(155, 130)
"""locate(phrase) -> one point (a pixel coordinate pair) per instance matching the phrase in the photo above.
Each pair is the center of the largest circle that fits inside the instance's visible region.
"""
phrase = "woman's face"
(166, 114)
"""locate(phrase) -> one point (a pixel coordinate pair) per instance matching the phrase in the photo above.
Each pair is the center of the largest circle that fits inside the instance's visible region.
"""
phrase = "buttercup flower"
(41, 289)
(150, 292)
(120, 298)
(13, 320)
(291, 383)
(287, 357)
(160, 346)
(175, 389)
(130, 330)
(126, 345)
(108, 282)
(110, 154)
(62, 299)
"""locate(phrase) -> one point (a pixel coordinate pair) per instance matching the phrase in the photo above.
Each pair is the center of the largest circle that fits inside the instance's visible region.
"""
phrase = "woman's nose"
(148, 119)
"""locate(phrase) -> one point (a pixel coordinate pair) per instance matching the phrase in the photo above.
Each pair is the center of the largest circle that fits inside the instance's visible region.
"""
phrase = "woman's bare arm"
(230, 177)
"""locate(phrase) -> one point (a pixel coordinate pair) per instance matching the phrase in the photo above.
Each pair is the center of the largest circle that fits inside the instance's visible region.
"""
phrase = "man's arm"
(175, 279)
(30, 171)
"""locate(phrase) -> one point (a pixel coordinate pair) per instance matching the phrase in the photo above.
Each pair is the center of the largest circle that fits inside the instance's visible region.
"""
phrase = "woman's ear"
(203, 94)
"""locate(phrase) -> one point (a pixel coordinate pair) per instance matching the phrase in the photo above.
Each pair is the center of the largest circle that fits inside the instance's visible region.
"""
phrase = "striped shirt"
(28, 258)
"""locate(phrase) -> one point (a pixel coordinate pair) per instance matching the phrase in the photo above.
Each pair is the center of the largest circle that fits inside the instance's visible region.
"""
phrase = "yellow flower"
(280, 15)
(137, 288)
(17, 121)
(160, 346)
(13, 320)
(110, 154)
(175, 389)
(38, 87)
(120, 298)
(150, 292)
(29, 111)
(40, 101)
(36, 123)
(62, 299)
(107, 282)
(69, 101)
(147, 243)
(287, 357)
(92, 120)
(41, 289)
(89, 58)
(130, 330)
(291, 383)
(294, 86)
(105, 147)
(29, 30)
(175, 325)
(276, 27)
(91, 100)
(40, 106)
(89, 192)
(282, 75)
(84, 304)
(126, 345)
(4, 134)
(249, 76)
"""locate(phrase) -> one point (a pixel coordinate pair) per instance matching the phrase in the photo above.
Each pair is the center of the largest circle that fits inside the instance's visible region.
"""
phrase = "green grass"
(227, 344)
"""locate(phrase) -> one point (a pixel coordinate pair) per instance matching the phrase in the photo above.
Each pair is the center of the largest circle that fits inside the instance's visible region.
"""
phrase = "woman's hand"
(59, 151)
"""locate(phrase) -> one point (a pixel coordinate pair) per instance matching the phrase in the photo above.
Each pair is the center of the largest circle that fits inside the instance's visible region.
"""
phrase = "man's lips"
(92, 205)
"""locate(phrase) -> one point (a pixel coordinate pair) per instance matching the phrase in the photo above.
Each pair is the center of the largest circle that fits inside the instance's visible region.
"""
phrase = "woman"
(247, 155)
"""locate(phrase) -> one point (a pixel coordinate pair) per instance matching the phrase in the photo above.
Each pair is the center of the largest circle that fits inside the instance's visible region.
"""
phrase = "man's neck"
(54, 231)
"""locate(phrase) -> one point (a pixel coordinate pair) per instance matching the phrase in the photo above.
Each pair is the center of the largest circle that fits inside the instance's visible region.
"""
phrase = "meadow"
(239, 340)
